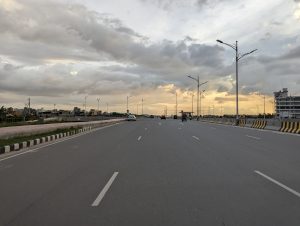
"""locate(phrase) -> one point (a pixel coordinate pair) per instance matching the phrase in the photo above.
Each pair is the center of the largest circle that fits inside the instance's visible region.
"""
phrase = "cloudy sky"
(59, 51)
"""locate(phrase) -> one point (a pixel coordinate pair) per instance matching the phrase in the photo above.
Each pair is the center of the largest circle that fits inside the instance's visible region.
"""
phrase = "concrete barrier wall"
(288, 126)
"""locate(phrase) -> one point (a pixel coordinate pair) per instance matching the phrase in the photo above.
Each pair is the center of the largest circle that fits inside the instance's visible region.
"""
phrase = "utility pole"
(106, 107)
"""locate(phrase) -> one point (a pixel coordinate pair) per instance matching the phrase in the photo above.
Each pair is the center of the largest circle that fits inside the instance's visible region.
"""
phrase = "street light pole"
(98, 99)
(176, 105)
(200, 101)
(237, 83)
(85, 105)
(264, 96)
(193, 103)
(264, 107)
(198, 91)
(142, 106)
(237, 58)
(127, 104)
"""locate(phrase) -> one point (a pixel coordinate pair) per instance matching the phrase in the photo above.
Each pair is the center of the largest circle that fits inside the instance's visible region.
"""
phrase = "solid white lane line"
(105, 189)
(140, 137)
(196, 138)
(53, 143)
(179, 128)
(159, 123)
(146, 128)
(212, 127)
(256, 138)
(278, 183)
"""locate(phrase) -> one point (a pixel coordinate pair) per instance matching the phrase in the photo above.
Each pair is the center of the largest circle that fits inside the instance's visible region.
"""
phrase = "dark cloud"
(41, 32)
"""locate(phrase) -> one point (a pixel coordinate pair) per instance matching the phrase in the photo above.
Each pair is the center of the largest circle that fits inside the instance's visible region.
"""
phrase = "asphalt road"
(155, 172)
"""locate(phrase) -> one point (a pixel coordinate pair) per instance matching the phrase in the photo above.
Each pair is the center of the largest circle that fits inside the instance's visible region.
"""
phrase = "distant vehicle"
(175, 117)
(184, 117)
(163, 117)
(151, 116)
(131, 118)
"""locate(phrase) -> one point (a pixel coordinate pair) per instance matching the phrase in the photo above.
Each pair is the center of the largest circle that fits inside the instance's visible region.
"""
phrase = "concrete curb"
(30, 143)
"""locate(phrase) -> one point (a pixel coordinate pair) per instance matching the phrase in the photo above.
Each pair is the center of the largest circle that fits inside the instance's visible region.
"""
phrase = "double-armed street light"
(238, 56)
(198, 91)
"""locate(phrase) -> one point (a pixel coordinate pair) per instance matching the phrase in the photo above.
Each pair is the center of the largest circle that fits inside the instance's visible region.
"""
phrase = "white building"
(286, 106)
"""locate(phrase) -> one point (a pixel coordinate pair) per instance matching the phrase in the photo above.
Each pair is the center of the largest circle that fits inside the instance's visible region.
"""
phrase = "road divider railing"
(259, 124)
(290, 127)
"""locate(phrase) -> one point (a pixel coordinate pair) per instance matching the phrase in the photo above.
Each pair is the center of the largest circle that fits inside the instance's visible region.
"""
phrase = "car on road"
(163, 117)
(131, 118)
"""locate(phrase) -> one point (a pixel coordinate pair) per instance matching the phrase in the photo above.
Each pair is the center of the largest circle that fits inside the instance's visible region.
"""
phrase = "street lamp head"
(253, 51)
(219, 41)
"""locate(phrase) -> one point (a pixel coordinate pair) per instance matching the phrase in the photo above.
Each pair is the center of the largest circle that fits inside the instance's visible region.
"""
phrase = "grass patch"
(20, 139)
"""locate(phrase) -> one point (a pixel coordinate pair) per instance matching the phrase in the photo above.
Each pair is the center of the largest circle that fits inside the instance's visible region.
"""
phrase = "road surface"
(155, 172)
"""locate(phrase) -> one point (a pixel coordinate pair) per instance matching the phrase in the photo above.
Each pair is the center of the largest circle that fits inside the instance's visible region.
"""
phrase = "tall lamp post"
(98, 99)
(142, 106)
(198, 91)
(238, 56)
(85, 105)
(127, 104)
(264, 96)
(193, 103)
(201, 92)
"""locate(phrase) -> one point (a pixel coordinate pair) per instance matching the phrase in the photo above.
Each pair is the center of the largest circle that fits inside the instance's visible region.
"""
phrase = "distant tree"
(3, 112)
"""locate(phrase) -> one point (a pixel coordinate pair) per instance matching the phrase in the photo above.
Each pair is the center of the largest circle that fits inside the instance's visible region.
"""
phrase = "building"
(286, 106)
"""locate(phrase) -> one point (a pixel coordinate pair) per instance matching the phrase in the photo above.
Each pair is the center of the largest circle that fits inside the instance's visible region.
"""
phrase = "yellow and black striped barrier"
(242, 122)
(259, 124)
(290, 127)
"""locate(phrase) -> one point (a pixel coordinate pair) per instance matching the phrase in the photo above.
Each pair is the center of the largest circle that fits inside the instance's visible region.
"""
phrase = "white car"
(131, 118)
